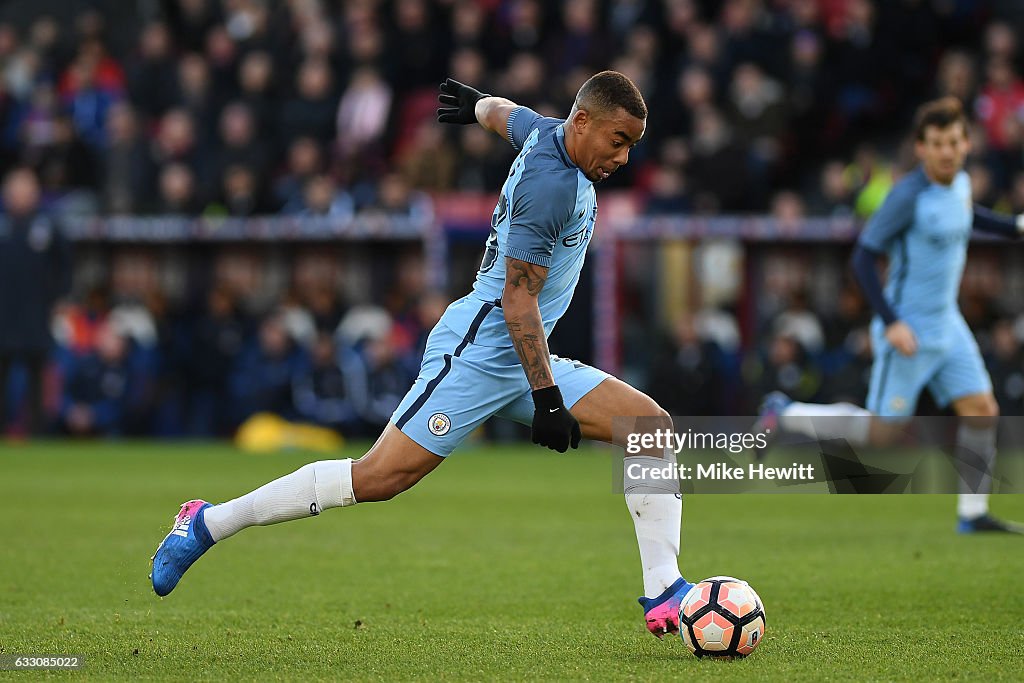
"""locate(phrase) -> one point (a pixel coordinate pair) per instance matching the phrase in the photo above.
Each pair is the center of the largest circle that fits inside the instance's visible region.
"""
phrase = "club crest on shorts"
(439, 424)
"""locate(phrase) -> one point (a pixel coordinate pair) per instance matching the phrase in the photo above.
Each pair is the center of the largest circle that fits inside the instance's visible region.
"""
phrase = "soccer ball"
(721, 617)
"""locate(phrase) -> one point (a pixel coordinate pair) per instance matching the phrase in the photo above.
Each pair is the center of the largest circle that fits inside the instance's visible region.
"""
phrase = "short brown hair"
(941, 113)
(609, 90)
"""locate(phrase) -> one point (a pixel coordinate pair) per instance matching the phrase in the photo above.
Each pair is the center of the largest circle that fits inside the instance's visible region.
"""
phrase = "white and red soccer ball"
(721, 617)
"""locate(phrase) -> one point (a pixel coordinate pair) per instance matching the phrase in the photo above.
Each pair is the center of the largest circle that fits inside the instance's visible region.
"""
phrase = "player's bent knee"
(650, 416)
(979, 411)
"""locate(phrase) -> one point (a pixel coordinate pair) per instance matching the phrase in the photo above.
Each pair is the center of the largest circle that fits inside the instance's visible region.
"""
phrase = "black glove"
(553, 424)
(460, 101)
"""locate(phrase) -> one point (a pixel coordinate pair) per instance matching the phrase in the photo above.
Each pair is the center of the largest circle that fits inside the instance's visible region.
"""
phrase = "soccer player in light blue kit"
(488, 355)
(919, 336)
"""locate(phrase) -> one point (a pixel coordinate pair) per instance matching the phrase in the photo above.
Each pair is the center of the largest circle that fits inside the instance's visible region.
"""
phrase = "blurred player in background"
(489, 355)
(919, 336)
(35, 271)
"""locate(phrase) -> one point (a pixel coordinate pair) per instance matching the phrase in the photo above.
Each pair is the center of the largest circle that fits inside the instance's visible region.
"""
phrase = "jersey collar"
(560, 146)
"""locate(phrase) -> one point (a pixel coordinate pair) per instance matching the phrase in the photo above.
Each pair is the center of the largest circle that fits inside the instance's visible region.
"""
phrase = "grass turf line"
(506, 563)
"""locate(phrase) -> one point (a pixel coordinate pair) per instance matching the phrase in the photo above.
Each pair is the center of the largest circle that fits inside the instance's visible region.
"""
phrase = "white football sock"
(828, 421)
(657, 510)
(976, 459)
(971, 505)
(305, 492)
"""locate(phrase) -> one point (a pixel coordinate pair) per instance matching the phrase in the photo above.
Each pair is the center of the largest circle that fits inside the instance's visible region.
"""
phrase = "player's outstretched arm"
(464, 104)
(553, 424)
(987, 220)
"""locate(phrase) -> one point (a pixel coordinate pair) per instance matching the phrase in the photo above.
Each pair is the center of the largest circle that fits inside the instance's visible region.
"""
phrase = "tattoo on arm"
(528, 275)
(523, 283)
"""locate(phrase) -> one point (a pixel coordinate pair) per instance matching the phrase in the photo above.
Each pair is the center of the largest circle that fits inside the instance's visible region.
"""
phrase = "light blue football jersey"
(924, 228)
(545, 215)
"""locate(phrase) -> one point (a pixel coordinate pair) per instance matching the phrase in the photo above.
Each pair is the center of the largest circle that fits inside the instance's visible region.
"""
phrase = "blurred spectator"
(788, 209)
(718, 167)
(429, 164)
(524, 26)
(325, 308)
(800, 323)
(221, 55)
(321, 395)
(395, 198)
(264, 373)
(76, 325)
(758, 116)
(311, 110)
(999, 104)
(257, 92)
(175, 142)
(150, 74)
(580, 44)
(362, 113)
(377, 378)
(418, 53)
(1005, 362)
(191, 20)
(36, 121)
(67, 162)
(87, 98)
(1001, 42)
(321, 197)
(808, 86)
(983, 187)
(850, 373)
(1016, 196)
(21, 73)
(860, 64)
(469, 24)
(177, 191)
(851, 315)
(523, 80)
(480, 167)
(872, 178)
(240, 194)
(785, 368)
(834, 196)
(99, 389)
(956, 77)
(683, 378)
(304, 161)
(220, 331)
(197, 98)
(123, 179)
(35, 271)
(695, 91)
(241, 144)
(668, 192)
(468, 65)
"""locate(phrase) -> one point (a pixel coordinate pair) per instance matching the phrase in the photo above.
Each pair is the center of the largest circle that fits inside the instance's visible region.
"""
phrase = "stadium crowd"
(311, 107)
(241, 107)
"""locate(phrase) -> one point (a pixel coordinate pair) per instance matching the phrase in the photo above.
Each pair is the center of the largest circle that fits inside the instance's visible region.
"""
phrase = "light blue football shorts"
(951, 372)
(462, 384)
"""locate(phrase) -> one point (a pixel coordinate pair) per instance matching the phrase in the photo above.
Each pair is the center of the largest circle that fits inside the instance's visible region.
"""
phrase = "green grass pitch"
(505, 563)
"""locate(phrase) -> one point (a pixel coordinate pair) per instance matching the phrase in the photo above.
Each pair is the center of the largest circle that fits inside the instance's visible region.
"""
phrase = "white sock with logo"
(656, 507)
(828, 421)
(305, 492)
